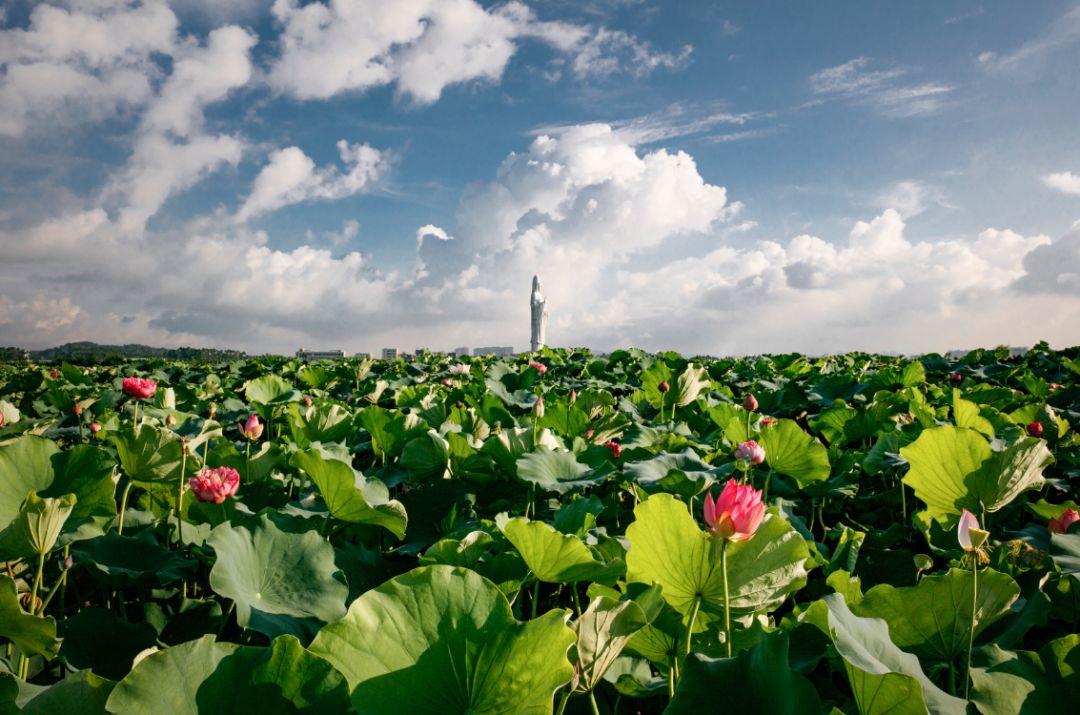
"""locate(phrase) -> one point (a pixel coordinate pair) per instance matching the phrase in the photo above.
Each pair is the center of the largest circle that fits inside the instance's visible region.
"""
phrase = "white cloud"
(291, 177)
(1063, 31)
(424, 46)
(1064, 181)
(910, 198)
(884, 90)
(82, 64)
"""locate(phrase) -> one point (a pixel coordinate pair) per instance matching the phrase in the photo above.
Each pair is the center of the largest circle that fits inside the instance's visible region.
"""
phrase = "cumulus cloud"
(81, 64)
(424, 46)
(1065, 181)
(291, 177)
(887, 91)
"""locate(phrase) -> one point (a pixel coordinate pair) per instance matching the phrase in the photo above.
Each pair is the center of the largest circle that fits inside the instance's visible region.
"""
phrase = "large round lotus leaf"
(557, 471)
(558, 558)
(126, 561)
(152, 455)
(683, 473)
(427, 457)
(933, 619)
(1065, 551)
(755, 682)
(270, 390)
(884, 679)
(793, 452)
(36, 528)
(85, 632)
(953, 469)
(30, 634)
(281, 582)
(1009, 682)
(348, 495)
(603, 630)
(204, 677)
(25, 467)
(668, 548)
(441, 640)
(81, 693)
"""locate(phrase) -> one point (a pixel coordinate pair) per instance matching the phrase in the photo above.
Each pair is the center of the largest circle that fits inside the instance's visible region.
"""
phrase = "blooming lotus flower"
(1035, 429)
(139, 387)
(1061, 524)
(459, 368)
(737, 512)
(970, 535)
(539, 367)
(215, 485)
(252, 429)
(615, 447)
(750, 451)
(750, 403)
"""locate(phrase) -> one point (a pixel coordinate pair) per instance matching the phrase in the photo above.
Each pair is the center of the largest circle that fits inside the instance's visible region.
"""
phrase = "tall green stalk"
(180, 499)
(971, 633)
(727, 600)
(123, 506)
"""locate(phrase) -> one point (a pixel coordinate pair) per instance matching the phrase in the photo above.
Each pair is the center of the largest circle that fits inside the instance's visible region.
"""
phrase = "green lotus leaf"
(1065, 551)
(30, 634)
(555, 557)
(152, 455)
(759, 680)
(440, 639)
(933, 619)
(125, 561)
(1010, 682)
(883, 678)
(86, 631)
(966, 415)
(466, 551)
(556, 471)
(427, 457)
(683, 473)
(36, 528)
(668, 548)
(691, 383)
(81, 693)
(281, 582)
(507, 446)
(349, 495)
(270, 390)
(791, 451)
(389, 430)
(204, 677)
(603, 631)
(953, 469)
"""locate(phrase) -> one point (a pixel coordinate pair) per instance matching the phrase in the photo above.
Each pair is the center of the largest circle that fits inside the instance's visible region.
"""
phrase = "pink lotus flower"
(538, 408)
(968, 532)
(94, 428)
(307, 401)
(1035, 429)
(615, 447)
(1, 419)
(539, 367)
(447, 382)
(737, 512)
(215, 485)
(139, 387)
(750, 403)
(750, 451)
(663, 386)
(955, 376)
(77, 409)
(459, 368)
(1061, 524)
(252, 429)
(766, 421)
(54, 373)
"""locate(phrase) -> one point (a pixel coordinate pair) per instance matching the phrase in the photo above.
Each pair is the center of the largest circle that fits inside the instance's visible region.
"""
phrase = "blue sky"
(708, 177)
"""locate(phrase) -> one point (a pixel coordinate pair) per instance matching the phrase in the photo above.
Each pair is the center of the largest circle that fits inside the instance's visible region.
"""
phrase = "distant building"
(420, 352)
(361, 355)
(319, 354)
(504, 351)
(460, 352)
(389, 353)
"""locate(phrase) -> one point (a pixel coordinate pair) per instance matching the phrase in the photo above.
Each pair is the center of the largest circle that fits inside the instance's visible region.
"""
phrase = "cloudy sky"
(714, 177)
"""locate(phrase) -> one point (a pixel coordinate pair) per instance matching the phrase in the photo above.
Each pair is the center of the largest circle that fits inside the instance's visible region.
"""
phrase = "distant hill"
(89, 353)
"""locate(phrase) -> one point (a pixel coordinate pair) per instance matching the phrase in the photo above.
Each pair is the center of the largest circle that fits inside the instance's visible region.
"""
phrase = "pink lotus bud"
(616, 448)
(1035, 429)
(663, 386)
(968, 532)
(139, 387)
(307, 401)
(573, 396)
(1054, 387)
(750, 451)
(1, 419)
(737, 512)
(94, 428)
(539, 367)
(215, 485)
(1061, 524)
(589, 433)
(77, 409)
(54, 373)
(447, 381)
(749, 403)
(766, 421)
(252, 429)
(956, 377)
(538, 408)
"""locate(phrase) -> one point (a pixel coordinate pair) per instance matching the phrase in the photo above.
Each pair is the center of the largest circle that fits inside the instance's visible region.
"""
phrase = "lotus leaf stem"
(123, 506)
(727, 599)
(974, 611)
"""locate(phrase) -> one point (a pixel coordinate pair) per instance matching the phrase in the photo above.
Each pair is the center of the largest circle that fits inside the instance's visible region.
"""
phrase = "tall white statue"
(539, 316)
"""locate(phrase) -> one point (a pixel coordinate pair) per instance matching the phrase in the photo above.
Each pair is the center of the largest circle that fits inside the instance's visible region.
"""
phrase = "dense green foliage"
(407, 538)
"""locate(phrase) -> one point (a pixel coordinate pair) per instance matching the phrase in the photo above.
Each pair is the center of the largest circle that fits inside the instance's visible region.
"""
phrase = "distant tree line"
(88, 353)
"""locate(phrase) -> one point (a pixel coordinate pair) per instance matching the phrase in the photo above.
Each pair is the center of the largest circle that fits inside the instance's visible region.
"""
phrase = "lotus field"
(558, 532)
